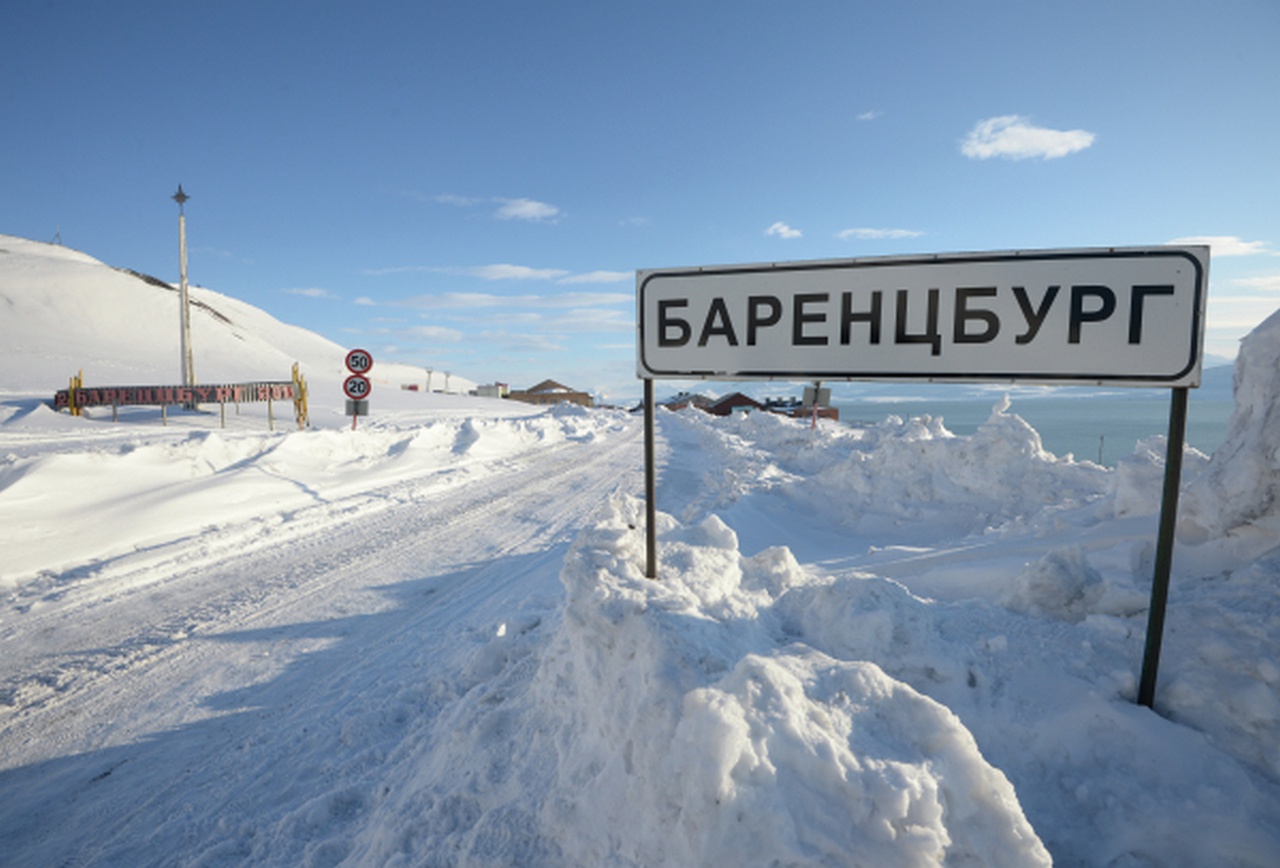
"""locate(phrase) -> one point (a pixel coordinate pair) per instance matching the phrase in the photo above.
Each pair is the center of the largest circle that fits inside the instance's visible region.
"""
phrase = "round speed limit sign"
(356, 387)
(359, 361)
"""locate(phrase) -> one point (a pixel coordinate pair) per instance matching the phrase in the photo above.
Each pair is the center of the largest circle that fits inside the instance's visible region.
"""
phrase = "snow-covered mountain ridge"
(64, 311)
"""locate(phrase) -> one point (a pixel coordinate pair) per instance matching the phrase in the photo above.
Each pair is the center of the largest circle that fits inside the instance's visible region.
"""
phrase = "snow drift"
(1241, 486)
(718, 735)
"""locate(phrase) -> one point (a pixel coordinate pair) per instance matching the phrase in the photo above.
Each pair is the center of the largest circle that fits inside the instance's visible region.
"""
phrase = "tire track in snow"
(309, 563)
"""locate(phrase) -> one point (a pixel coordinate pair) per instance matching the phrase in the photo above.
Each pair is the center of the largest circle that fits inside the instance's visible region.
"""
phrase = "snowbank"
(917, 472)
(1241, 485)
(701, 733)
(722, 676)
(173, 484)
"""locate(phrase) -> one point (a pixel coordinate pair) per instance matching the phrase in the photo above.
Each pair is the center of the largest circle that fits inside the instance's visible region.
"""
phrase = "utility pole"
(188, 363)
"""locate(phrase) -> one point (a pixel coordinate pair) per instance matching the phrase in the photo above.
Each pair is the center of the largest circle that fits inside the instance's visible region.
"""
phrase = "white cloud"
(592, 319)
(877, 234)
(366, 301)
(782, 230)
(526, 209)
(870, 116)
(1238, 313)
(456, 300)
(311, 292)
(599, 277)
(396, 269)
(1014, 138)
(1268, 283)
(204, 251)
(433, 333)
(460, 201)
(525, 318)
(503, 271)
(585, 299)
(521, 342)
(472, 300)
(1226, 245)
(508, 209)
(506, 271)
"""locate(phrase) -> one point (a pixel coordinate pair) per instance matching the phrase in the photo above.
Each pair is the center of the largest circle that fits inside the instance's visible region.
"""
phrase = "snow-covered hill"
(430, 641)
(62, 311)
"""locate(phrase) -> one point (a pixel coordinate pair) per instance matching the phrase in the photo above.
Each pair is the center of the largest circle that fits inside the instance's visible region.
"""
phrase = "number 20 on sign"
(356, 387)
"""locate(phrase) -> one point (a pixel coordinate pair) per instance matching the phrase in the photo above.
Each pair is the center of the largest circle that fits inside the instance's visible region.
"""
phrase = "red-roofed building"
(730, 404)
(551, 392)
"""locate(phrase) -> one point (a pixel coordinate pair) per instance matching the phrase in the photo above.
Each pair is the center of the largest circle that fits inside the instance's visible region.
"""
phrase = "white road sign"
(1116, 316)
(356, 387)
(359, 361)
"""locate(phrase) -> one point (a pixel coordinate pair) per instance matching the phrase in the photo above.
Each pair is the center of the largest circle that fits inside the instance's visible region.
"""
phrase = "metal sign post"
(650, 496)
(1164, 546)
(357, 390)
(814, 397)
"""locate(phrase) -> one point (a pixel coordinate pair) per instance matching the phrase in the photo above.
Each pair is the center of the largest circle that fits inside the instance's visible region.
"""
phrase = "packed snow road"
(212, 667)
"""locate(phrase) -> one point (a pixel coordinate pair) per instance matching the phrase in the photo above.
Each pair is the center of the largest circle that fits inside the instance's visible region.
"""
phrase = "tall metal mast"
(188, 363)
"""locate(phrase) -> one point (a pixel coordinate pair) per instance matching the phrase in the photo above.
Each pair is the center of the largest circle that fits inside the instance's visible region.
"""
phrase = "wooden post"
(73, 393)
(299, 397)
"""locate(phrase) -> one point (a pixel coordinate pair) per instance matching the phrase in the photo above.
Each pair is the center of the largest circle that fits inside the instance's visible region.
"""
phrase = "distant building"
(497, 390)
(685, 399)
(551, 392)
(798, 412)
(738, 402)
(730, 404)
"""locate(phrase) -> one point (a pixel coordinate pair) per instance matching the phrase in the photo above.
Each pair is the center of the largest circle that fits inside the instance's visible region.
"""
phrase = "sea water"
(1100, 428)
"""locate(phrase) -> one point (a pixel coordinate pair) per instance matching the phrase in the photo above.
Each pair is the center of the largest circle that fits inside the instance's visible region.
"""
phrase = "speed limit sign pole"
(357, 386)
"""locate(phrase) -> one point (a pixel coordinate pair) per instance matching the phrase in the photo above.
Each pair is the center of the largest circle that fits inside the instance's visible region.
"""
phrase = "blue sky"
(471, 186)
